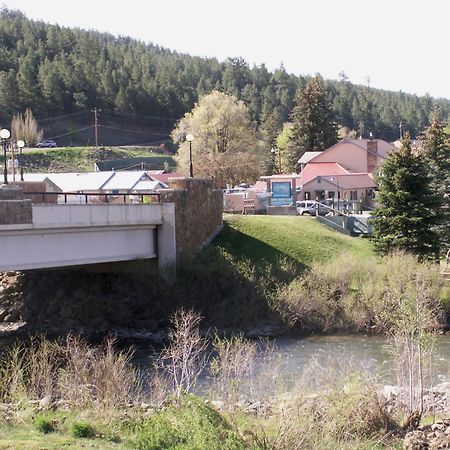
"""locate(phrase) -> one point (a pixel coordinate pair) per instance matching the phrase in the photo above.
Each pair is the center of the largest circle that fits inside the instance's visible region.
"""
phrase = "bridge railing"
(75, 198)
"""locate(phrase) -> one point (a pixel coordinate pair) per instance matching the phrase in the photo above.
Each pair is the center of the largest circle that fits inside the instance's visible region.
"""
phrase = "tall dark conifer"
(407, 211)
(314, 127)
(437, 152)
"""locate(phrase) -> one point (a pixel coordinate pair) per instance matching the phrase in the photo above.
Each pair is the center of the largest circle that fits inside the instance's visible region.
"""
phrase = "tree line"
(56, 70)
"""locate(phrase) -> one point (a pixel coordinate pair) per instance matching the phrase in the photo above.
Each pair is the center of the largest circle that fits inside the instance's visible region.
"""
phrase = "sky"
(388, 44)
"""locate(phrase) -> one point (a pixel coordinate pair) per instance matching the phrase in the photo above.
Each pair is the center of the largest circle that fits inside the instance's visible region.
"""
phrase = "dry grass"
(71, 374)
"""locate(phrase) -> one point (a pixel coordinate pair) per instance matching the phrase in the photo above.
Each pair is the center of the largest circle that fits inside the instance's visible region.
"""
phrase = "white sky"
(397, 44)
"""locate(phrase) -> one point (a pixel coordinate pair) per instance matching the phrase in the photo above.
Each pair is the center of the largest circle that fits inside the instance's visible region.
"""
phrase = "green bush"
(82, 430)
(44, 424)
(187, 424)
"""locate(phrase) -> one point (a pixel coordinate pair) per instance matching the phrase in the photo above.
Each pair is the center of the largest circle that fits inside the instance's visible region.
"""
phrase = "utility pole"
(96, 111)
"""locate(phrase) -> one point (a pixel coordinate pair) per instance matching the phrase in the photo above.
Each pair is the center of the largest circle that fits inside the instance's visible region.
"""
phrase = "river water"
(369, 352)
(295, 355)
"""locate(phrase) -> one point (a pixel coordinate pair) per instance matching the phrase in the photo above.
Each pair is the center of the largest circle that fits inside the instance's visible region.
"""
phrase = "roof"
(307, 156)
(125, 180)
(313, 170)
(383, 147)
(29, 176)
(91, 181)
(349, 181)
(148, 185)
(259, 186)
(163, 177)
(76, 182)
(281, 177)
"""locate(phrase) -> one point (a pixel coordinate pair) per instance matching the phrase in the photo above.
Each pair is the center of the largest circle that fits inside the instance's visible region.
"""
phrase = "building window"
(331, 194)
(307, 195)
(369, 193)
(353, 195)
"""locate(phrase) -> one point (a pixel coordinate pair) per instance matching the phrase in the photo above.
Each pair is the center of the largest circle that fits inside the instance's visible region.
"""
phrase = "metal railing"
(358, 226)
(91, 198)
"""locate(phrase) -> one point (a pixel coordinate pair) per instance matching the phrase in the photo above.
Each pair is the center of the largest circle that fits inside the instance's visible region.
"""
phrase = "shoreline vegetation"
(66, 392)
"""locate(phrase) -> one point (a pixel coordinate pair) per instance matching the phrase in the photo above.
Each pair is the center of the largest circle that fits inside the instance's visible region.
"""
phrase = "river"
(294, 357)
(369, 352)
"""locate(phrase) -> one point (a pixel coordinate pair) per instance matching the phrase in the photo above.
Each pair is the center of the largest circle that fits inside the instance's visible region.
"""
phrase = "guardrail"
(92, 197)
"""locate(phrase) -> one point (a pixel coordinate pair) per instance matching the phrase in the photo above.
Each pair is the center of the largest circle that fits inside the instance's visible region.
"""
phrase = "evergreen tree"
(437, 152)
(314, 127)
(406, 216)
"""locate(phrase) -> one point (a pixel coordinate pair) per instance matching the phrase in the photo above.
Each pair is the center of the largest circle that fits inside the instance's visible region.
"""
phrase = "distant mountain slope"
(62, 73)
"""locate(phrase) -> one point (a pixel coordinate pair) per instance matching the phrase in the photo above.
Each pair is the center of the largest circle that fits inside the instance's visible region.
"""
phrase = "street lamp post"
(274, 152)
(190, 138)
(21, 144)
(338, 190)
(4, 135)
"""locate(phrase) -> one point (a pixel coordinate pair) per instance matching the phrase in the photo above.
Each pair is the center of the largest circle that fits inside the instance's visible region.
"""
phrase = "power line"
(150, 133)
(141, 116)
(71, 132)
(48, 119)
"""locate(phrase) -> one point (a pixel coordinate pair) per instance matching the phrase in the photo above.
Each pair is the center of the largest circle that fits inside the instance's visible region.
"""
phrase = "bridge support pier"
(167, 244)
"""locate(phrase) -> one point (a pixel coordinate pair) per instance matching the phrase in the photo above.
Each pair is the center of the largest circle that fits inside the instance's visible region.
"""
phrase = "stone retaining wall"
(198, 212)
(282, 211)
(13, 208)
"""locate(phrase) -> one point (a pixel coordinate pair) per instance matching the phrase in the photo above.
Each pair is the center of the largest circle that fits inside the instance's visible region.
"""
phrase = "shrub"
(44, 424)
(232, 366)
(187, 423)
(82, 429)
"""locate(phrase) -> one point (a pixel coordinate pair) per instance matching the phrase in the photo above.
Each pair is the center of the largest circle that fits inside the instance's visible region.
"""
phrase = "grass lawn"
(26, 437)
(82, 159)
(301, 239)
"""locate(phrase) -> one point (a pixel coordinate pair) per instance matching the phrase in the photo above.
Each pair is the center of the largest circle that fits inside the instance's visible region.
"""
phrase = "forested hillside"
(58, 71)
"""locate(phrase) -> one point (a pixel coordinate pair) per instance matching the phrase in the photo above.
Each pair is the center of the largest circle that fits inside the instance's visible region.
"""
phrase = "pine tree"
(314, 127)
(407, 213)
(437, 152)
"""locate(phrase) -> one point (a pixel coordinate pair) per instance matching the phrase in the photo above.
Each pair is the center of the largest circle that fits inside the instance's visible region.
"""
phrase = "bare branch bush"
(231, 367)
(407, 307)
(185, 357)
(27, 370)
(97, 377)
(25, 127)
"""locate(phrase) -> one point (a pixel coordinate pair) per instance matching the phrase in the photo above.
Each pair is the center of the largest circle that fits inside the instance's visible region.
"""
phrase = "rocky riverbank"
(94, 305)
(429, 437)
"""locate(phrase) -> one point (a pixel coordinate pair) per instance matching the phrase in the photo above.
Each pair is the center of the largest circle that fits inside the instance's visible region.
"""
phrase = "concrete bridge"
(50, 235)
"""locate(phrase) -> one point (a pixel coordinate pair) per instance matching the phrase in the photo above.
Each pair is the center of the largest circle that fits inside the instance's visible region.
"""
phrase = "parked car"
(47, 143)
(310, 207)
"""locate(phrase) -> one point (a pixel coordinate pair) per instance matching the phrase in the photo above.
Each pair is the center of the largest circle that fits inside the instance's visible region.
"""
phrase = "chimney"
(372, 150)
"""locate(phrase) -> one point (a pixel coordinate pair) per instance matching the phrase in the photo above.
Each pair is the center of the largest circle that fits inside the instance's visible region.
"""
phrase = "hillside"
(76, 159)
(300, 239)
(143, 89)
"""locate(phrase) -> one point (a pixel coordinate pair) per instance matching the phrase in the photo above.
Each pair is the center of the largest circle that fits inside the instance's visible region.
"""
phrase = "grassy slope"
(82, 159)
(301, 239)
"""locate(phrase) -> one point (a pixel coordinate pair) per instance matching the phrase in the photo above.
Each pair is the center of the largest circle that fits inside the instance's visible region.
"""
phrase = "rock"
(218, 404)
(3, 314)
(11, 317)
(45, 402)
(415, 441)
(429, 437)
